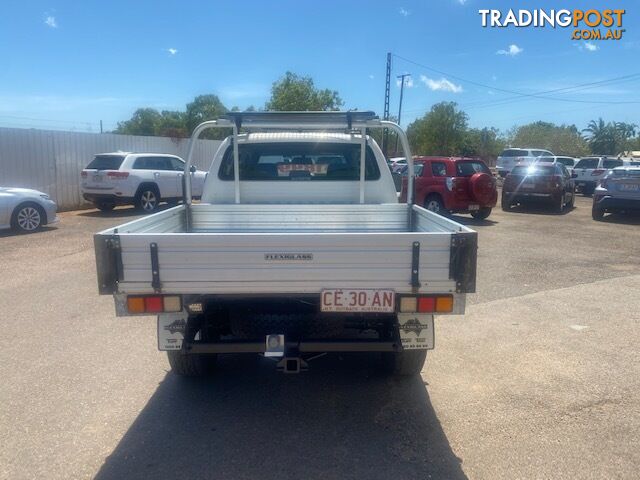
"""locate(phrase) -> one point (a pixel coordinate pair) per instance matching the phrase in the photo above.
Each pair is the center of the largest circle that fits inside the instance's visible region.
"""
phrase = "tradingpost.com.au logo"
(586, 24)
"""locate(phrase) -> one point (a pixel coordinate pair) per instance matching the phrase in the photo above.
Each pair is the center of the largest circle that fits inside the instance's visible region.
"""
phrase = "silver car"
(26, 210)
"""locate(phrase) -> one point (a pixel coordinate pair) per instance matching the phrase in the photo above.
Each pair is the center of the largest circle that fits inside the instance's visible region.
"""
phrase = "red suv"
(454, 185)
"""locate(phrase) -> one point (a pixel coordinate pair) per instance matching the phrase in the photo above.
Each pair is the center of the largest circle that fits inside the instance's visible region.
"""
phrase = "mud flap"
(416, 331)
(171, 328)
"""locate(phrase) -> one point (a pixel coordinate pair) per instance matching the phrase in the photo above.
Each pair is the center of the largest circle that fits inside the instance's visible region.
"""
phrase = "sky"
(67, 65)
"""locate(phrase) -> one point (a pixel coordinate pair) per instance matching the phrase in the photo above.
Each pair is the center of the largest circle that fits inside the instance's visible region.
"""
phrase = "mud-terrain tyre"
(405, 363)
(190, 365)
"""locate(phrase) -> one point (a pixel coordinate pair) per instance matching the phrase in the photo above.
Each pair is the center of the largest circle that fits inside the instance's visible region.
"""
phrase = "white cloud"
(462, 2)
(408, 82)
(592, 47)
(172, 51)
(371, 77)
(442, 84)
(404, 12)
(50, 22)
(494, 77)
(512, 51)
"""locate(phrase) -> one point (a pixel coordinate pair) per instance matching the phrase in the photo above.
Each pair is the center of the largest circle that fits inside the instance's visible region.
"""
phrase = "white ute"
(299, 247)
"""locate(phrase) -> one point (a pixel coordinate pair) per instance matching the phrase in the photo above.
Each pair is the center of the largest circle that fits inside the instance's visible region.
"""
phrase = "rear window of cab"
(299, 161)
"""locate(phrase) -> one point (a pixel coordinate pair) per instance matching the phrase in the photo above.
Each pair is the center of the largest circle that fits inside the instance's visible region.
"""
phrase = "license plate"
(474, 207)
(347, 300)
(528, 185)
(97, 178)
(629, 187)
(581, 184)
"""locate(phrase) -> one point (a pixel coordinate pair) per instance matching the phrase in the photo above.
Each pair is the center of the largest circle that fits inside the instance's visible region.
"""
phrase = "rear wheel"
(189, 364)
(435, 204)
(481, 214)
(28, 217)
(405, 363)
(559, 204)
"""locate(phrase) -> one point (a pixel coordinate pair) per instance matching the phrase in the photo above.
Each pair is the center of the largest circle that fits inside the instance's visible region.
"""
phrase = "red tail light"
(118, 174)
(84, 174)
(597, 172)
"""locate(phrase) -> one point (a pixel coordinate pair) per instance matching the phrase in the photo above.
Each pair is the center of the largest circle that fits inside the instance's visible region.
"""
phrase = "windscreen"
(106, 162)
(299, 161)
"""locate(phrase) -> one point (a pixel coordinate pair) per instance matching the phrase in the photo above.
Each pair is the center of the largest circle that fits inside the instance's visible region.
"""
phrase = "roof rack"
(297, 121)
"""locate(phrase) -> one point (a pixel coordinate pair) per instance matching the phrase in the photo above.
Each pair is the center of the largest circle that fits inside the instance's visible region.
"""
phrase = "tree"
(172, 124)
(439, 132)
(601, 137)
(560, 139)
(296, 93)
(485, 143)
(203, 108)
(144, 121)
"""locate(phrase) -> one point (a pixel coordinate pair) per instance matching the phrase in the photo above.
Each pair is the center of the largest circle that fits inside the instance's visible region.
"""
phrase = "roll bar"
(296, 121)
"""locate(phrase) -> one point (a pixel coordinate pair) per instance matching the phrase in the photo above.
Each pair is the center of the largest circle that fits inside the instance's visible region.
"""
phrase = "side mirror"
(192, 169)
(574, 175)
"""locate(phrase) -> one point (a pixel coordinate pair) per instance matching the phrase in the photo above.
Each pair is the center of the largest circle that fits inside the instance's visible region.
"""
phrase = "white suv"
(511, 157)
(590, 170)
(141, 179)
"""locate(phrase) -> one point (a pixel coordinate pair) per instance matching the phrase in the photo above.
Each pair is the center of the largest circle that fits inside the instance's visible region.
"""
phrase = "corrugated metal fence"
(51, 161)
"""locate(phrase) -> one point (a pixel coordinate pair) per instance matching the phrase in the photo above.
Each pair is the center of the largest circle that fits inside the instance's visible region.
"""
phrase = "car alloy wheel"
(29, 219)
(148, 200)
(433, 206)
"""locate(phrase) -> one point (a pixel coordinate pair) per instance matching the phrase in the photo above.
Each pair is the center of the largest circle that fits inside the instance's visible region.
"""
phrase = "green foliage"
(611, 138)
(485, 143)
(143, 122)
(297, 93)
(560, 139)
(203, 108)
(439, 132)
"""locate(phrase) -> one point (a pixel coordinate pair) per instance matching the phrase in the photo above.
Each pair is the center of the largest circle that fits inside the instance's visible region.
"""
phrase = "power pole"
(387, 93)
(100, 126)
(401, 77)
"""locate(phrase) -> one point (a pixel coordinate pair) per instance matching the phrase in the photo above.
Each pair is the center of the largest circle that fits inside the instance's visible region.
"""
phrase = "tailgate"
(296, 262)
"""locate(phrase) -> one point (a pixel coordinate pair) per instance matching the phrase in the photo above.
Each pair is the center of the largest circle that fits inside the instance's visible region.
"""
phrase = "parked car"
(141, 179)
(294, 254)
(618, 191)
(454, 185)
(568, 162)
(549, 183)
(511, 157)
(26, 210)
(590, 170)
(396, 164)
